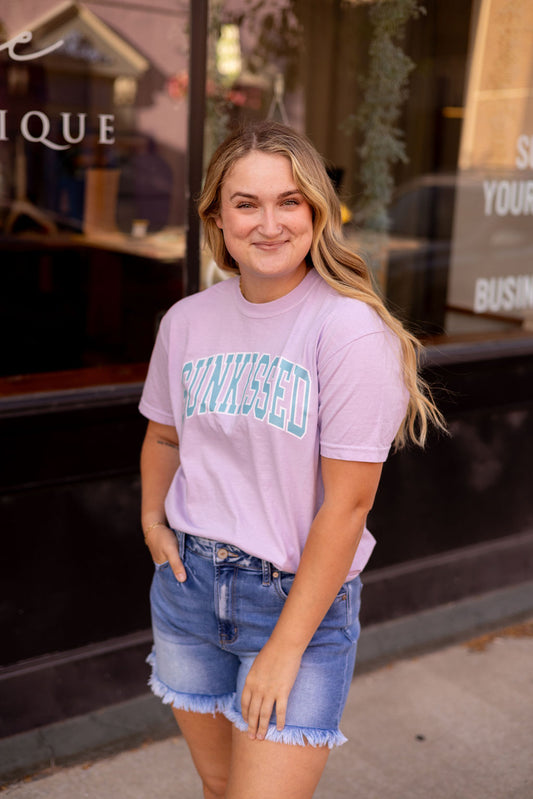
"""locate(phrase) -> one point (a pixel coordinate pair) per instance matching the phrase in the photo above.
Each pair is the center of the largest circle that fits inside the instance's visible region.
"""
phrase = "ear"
(218, 220)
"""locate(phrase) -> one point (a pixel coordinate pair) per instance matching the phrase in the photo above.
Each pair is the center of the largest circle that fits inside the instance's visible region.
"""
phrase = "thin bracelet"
(151, 527)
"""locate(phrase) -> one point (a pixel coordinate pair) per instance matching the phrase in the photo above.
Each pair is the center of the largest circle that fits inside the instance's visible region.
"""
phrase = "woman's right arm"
(159, 463)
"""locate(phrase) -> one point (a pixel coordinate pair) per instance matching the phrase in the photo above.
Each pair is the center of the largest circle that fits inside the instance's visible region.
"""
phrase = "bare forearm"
(324, 565)
(350, 489)
(328, 554)
(159, 462)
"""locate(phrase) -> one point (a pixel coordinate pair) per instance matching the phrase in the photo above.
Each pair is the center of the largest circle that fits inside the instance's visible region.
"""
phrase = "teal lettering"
(185, 378)
(215, 383)
(232, 388)
(196, 382)
(246, 407)
(260, 411)
(273, 389)
(298, 427)
(264, 360)
(278, 419)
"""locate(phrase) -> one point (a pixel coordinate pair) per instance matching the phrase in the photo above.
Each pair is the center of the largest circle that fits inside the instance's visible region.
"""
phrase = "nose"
(270, 225)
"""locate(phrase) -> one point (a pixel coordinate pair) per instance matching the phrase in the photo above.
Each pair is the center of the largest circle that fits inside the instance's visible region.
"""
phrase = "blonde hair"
(342, 269)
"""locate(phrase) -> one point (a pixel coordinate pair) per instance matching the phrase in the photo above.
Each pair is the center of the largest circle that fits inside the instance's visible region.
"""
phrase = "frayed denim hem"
(297, 736)
(197, 703)
(224, 703)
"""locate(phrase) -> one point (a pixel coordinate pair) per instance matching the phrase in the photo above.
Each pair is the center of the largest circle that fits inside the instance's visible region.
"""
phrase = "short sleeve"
(362, 398)
(156, 403)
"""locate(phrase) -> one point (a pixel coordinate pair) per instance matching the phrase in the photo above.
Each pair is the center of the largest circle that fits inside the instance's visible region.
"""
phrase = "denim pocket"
(283, 583)
(353, 605)
(339, 610)
(160, 566)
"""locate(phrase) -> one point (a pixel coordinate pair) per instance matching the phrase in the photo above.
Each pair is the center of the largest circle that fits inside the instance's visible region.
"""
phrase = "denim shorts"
(208, 630)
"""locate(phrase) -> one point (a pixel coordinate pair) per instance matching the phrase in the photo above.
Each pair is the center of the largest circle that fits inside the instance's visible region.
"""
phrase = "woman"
(272, 400)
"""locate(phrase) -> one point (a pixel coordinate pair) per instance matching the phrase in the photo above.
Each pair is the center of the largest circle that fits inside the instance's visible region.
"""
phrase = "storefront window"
(421, 109)
(423, 112)
(491, 268)
(92, 194)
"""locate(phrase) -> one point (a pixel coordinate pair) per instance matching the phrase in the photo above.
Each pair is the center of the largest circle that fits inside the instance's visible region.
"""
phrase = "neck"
(268, 289)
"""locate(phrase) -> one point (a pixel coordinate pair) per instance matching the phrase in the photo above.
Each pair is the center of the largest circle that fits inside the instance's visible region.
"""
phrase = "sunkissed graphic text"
(269, 388)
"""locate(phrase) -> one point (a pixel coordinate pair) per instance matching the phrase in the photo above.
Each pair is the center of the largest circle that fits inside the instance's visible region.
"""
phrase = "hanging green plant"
(385, 90)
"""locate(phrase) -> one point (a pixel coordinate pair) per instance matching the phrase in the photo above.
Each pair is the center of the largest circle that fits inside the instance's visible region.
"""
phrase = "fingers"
(175, 563)
(268, 684)
(281, 712)
(164, 547)
(256, 711)
(246, 698)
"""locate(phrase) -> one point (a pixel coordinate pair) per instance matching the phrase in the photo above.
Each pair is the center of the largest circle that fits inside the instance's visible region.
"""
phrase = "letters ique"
(35, 125)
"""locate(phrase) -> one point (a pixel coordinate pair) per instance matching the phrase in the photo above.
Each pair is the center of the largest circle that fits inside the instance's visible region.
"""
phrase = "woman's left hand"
(268, 684)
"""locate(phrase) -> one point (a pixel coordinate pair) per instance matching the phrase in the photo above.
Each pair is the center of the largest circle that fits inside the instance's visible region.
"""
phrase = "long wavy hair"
(340, 267)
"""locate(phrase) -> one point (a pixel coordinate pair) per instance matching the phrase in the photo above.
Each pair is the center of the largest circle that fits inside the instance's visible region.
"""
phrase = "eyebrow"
(255, 197)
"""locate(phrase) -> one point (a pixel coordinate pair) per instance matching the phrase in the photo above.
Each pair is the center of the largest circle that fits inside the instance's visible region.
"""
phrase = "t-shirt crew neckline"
(275, 307)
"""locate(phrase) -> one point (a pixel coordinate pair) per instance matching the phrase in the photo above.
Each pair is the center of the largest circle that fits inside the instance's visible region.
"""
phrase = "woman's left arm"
(349, 491)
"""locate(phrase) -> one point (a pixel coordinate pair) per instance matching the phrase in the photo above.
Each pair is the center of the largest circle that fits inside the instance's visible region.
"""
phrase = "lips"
(269, 245)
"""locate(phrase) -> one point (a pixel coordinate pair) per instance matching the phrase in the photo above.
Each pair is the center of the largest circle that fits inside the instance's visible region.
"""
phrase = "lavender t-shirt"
(257, 392)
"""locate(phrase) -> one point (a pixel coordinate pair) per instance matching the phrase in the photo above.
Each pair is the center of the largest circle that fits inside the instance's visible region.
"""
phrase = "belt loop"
(267, 571)
(181, 543)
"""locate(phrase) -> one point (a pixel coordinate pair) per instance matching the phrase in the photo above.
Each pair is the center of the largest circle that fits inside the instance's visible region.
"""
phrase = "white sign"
(496, 294)
(35, 126)
(515, 197)
(491, 267)
(24, 38)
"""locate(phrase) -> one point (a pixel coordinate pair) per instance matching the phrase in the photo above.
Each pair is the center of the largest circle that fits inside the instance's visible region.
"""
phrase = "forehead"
(260, 171)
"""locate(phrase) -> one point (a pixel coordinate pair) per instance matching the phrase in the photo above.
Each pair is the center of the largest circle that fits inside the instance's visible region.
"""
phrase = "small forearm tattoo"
(167, 444)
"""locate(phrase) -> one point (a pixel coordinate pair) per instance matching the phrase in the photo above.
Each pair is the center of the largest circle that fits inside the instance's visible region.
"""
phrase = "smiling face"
(267, 225)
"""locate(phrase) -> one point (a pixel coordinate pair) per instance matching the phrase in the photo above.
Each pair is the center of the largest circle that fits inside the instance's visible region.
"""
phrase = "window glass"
(425, 119)
(491, 272)
(92, 153)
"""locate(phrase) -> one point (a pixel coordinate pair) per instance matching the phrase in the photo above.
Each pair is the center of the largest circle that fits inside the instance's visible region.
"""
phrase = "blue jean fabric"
(208, 630)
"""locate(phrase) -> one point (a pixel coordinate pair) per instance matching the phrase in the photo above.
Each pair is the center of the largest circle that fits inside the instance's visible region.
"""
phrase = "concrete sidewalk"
(456, 723)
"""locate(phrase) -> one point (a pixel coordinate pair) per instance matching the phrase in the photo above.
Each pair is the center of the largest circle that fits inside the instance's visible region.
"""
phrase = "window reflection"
(92, 196)
(491, 279)
(93, 112)
(450, 237)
